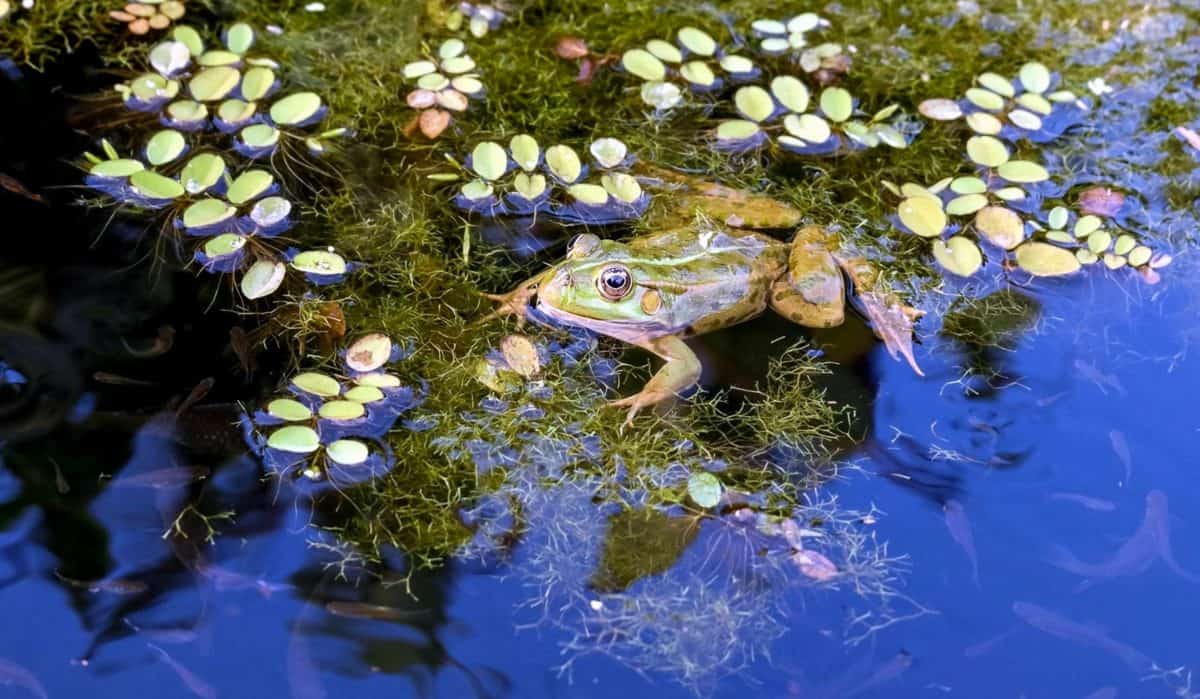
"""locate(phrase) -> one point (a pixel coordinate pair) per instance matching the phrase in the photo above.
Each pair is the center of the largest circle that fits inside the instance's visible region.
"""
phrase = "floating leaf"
(985, 99)
(1124, 244)
(185, 113)
(459, 65)
(704, 489)
(525, 151)
(1045, 260)
(190, 38)
(378, 380)
(319, 262)
(256, 83)
(564, 163)
(987, 151)
(984, 123)
(1022, 171)
(218, 58)
(202, 172)
(364, 394)
(661, 95)
(754, 103)
(1099, 241)
(347, 452)
(262, 279)
(1058, 217)
(295, 108)
(1101, 201)
(1035, 103)
(1035, 77)
(643, 64)
(958, 255)
(418, 69)
(698, 73)
(369, 352)
(476, 190)
(1086, 225)
(997, 83)
(316, 383)
(664, 51)
(270, 211)
(736, 130)
(118, 167)
(736, 65)
(212, 84)
(288, 409)
(791, 93)
(248, 186)
(608, 152)
(529, 186)
(1140, 255)
(341, 410)
(451, 48)
(239, 38)
(940, 109)
(235, 111)
(1086, 257)
(155, 186)
(923, 216)
(968, 185)
(697, 41)
(1009, 193)
(296, 439)
(591, 194)
(207, 213)
(467, 84)
(622, 186)
(170, 57)
(1000, 226)
(807, 127)
(224, 245)
(836, 104)
(489, 160)
(966, 204)
(259, 135)
(1025, 120)
(1113, 261)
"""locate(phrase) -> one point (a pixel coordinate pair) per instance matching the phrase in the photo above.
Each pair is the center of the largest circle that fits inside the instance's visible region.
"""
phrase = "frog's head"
(602, 286)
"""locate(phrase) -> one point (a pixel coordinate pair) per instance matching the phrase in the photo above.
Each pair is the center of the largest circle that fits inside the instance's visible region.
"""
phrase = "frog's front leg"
(811, 292)
(681, 372)
(516, 302)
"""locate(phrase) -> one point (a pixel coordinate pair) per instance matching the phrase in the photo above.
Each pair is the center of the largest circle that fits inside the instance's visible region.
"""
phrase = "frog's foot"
(514, 303)
(681, 372)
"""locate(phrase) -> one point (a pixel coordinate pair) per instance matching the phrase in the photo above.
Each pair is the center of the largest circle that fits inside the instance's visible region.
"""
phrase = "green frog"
(658, 289)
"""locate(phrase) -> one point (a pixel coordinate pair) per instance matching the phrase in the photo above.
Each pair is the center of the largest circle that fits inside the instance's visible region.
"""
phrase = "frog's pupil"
(615, 282)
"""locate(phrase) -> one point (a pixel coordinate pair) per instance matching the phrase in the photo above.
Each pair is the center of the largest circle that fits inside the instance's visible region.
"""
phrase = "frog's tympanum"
(657, 289)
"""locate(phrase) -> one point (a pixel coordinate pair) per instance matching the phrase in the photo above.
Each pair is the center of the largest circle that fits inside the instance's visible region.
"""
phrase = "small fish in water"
(362, 610)
(986, 646)
(1103, 693)
(886, 672)
(1152, 541)
(227, 580)
(171, 477)
(1051, 400)
(60, 481)
(118, 380)
(197, 394)
(1060, 626)
(12, 674)
(960, 531)
(14, 185)
(1089, 372)
(116, 586)
(173, 636)
(1087, 501)
(1121, 448)
(161, 345)
(197, 686)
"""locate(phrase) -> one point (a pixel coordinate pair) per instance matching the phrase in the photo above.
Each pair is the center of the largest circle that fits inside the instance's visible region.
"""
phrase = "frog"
(660, 288)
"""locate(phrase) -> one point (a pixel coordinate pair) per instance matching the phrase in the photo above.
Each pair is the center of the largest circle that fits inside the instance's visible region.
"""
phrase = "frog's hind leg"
(812, 291)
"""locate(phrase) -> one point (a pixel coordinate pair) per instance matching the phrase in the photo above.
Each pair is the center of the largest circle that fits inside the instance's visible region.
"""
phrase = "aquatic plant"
(526, 180)
(235, 214)
(479, 18)
(445, 83)
(318, 438)
(693, 61)
(141, 17)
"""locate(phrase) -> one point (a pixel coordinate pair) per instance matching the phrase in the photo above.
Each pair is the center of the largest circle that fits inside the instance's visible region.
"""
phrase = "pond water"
(1021, 521)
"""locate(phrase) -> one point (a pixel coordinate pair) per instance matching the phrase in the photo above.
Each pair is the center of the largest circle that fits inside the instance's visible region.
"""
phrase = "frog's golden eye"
(615, 282)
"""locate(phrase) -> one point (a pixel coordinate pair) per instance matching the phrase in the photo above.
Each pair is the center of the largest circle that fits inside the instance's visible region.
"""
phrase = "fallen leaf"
(571, 47)
(815, 565)
(892, 324)
(1101, 201)
(433, 122)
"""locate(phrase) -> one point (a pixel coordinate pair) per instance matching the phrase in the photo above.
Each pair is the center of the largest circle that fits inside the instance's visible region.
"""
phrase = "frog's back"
(711, 278)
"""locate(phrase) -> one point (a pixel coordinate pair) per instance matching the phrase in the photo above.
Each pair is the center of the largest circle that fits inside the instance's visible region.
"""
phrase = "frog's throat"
(631, 331)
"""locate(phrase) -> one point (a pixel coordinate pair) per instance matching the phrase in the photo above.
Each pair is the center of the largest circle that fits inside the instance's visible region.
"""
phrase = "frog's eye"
(615, 282)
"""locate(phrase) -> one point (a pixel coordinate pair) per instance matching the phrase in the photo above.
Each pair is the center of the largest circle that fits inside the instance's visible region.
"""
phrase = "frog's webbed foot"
(514, 303)
(681, 372)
